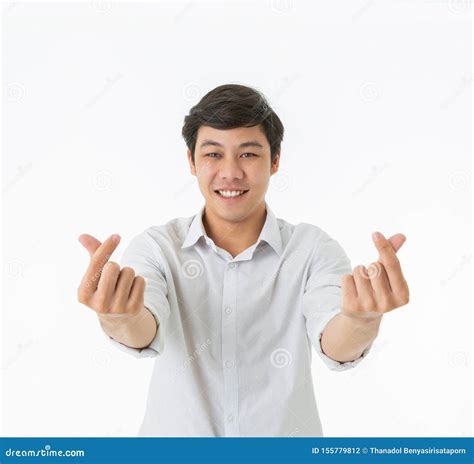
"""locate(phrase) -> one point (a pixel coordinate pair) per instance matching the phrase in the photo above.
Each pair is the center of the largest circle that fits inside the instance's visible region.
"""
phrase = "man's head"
(233, 139)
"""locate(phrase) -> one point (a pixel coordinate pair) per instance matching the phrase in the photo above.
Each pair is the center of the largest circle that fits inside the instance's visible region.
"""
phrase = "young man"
(231, 300)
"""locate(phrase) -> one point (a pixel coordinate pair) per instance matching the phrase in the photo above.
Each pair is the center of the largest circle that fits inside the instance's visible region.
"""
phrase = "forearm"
(345, 338)
(134, 331)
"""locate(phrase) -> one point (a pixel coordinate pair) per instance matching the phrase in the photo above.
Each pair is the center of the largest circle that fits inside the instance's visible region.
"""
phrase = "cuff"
(332, 363)
(154, 349)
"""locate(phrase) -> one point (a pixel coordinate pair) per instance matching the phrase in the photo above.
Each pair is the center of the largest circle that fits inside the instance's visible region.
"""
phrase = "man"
(231, 300)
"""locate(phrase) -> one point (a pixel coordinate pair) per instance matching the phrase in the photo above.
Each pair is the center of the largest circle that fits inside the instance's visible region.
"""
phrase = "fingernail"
(116, 238)
(377, 236)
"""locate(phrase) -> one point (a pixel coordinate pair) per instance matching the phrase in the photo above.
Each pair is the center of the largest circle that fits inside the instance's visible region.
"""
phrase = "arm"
(366, 297)
(116, 295)
(345, 338)
(136, 331)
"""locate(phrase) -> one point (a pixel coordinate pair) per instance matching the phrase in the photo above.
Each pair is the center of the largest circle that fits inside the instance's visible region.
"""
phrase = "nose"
(230, 169)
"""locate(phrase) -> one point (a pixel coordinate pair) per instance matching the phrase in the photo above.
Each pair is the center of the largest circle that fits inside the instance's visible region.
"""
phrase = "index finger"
(97, 262)
(384, 247)
(390, 261)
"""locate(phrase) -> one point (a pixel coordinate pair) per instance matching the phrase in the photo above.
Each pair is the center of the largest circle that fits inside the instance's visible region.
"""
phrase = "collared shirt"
(234, 345)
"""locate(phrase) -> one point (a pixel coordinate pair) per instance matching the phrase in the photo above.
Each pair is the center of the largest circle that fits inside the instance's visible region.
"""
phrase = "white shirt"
(233, 348)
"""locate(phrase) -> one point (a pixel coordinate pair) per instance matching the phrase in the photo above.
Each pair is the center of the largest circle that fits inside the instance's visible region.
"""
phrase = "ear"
(192, 166)
(275, 164)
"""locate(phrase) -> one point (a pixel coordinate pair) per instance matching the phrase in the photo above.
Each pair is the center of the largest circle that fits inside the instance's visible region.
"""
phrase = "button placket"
(229, 351)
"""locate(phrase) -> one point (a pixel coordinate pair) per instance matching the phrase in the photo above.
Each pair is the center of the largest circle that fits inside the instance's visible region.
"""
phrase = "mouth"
(230, 195)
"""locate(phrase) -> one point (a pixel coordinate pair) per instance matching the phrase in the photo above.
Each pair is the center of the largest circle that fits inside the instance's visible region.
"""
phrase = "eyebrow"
(250, 143)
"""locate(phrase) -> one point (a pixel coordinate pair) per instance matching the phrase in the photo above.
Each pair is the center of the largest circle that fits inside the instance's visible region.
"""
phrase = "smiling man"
(231, 301)
(234, 182)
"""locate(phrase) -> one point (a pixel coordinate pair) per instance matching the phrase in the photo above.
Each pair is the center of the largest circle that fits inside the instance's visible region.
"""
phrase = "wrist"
(371, 322)
(113, 320)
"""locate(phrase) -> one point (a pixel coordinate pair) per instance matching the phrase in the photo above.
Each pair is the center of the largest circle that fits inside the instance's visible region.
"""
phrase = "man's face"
(232, 160)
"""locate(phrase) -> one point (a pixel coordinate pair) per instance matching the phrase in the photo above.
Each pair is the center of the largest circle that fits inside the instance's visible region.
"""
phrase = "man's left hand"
(369, 293)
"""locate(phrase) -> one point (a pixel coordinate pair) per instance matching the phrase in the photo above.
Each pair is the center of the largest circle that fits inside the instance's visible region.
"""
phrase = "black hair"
(229, 106)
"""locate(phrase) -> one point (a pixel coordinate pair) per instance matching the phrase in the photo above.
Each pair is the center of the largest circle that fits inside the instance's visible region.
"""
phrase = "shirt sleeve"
(143, 255)
(323, 293)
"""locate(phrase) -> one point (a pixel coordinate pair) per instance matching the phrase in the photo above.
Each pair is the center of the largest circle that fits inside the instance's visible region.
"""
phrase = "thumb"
(90, 243)
(397, 241)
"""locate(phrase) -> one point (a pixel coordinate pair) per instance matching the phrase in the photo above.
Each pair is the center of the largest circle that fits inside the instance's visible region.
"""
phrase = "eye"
(210, 155)
(251, 154)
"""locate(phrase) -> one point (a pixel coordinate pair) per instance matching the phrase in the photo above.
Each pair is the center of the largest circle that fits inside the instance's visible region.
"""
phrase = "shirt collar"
(270, 232)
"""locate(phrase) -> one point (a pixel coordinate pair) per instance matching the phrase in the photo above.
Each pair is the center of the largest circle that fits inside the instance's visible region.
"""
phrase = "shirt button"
(230, 418)
(229, 363)
(228, 310)
(232, 265)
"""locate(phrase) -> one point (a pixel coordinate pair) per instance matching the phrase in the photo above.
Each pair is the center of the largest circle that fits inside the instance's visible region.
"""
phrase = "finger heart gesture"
(370, 292)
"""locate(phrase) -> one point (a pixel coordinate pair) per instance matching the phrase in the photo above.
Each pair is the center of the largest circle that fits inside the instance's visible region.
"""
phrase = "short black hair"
(230, 106)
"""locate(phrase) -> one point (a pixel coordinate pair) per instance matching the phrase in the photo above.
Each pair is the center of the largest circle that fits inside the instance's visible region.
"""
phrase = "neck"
(234, 236)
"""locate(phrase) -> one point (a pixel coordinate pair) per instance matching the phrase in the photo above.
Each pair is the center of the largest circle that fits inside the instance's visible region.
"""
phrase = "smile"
(230, 194)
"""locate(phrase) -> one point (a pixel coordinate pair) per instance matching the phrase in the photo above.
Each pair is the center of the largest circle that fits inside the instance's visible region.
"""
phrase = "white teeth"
(229, 193)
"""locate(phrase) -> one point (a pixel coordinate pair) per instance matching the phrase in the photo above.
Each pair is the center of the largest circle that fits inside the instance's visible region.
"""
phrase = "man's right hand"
(114, 294)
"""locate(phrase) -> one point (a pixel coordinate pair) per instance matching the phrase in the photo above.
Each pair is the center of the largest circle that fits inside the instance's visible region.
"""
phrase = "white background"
(376, 102)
